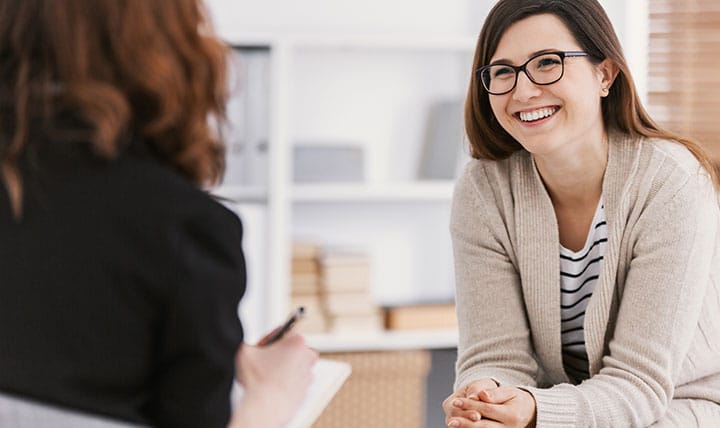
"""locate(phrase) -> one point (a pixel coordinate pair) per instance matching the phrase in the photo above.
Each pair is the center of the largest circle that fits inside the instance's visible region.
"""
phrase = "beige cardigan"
(652, 326)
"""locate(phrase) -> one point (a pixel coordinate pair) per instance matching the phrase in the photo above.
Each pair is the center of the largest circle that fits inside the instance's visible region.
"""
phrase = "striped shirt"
(579, 273)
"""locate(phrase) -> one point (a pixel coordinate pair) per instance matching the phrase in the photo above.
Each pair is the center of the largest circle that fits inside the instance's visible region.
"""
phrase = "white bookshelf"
(384, 341)
(398, 216)
(432, 191)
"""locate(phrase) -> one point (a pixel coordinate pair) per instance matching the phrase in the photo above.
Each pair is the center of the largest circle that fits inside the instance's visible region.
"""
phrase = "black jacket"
(119, 289)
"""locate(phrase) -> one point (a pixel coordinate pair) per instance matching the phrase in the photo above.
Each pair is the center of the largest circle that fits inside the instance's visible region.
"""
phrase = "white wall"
(375, 16)
(344, 16)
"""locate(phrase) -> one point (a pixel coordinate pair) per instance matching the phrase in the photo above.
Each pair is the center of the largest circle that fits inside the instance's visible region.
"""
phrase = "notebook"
(328, 377)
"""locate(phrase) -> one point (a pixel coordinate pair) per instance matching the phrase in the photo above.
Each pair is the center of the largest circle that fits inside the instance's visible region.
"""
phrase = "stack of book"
(345, 290)
(305, 287)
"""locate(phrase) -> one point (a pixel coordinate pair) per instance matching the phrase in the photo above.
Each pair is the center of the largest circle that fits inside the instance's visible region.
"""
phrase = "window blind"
(684, 69)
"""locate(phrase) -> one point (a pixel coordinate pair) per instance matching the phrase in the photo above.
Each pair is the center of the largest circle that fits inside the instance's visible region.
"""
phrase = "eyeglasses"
(542, 69)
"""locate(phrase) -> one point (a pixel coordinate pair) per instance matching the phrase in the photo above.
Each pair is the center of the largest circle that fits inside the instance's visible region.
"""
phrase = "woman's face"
(555, 118)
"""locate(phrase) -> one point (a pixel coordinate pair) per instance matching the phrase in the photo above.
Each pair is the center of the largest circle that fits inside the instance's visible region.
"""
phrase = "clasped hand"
(484, 404)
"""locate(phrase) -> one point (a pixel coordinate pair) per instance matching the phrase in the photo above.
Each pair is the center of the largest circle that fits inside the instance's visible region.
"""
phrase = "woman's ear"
(607, 72)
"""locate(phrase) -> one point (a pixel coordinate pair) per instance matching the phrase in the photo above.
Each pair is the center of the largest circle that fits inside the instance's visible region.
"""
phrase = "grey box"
(315, 163)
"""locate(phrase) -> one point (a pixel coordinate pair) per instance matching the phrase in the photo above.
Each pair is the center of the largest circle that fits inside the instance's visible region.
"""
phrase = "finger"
(465, 403)
(465, 423)
(460, 422)
(461, 407)
(473, 389)
(487, 423)
(472, 415)
(495, 412)
(447, 405)
(498, 395)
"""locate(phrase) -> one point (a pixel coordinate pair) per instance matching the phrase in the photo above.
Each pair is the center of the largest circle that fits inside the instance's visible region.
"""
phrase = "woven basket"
(385, 389)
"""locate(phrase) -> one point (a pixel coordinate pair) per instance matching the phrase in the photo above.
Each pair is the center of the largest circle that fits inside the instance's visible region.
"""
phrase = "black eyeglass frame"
(523, 68)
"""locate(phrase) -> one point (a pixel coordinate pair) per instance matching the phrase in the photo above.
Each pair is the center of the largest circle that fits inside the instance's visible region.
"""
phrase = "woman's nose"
(525, 89)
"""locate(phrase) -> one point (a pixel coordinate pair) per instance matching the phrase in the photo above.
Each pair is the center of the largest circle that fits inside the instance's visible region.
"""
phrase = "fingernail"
(475, 417)
(457, 403)
(454, 424)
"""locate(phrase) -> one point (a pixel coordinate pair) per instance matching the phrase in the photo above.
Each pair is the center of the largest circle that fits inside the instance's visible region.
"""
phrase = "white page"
(328, 377)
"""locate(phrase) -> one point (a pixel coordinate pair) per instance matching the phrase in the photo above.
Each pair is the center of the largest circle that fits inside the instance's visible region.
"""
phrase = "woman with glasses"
(586, 239)
(119, 275)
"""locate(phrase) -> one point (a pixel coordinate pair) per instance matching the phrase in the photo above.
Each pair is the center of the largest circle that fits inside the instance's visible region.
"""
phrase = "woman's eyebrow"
(507, 61)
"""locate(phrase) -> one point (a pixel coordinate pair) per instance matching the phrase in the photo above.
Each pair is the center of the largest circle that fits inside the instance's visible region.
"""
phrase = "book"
(328, 377)
(368, 323)
(421, 316)
(349, 303)
(305, 250)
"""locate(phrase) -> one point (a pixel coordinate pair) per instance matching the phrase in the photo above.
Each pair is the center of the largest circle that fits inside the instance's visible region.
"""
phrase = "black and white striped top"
(579, 272)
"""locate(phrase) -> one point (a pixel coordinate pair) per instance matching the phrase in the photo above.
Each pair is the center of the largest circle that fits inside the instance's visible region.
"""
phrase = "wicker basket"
(385, 389)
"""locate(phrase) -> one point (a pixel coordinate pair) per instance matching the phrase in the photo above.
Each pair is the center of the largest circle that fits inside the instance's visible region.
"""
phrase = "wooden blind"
(684, 69)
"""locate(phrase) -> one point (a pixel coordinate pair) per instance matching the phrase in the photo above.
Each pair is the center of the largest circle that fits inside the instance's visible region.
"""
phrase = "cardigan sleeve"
(494, 334)
(200, 330)
(675, 243)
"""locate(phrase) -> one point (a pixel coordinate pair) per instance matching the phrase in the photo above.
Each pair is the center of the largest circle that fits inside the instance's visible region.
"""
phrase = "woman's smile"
(536, 116)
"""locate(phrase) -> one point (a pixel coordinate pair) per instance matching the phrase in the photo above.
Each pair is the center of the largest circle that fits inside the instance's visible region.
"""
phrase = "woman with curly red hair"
(120, 276)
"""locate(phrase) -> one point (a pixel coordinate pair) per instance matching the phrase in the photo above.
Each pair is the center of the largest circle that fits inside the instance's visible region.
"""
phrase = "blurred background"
(344, 138)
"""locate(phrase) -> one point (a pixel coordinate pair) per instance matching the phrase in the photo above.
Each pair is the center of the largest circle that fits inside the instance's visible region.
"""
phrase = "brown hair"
(142, 68)
(587, 21)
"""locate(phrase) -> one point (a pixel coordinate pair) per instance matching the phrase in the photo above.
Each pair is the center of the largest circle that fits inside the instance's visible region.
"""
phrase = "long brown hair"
(587, 21)
(145, 68)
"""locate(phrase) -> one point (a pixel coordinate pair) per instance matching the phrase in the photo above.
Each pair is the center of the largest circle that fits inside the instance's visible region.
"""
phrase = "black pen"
(280, 331)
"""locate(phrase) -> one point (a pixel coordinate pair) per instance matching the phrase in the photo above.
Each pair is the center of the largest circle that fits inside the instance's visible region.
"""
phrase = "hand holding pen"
(268, 372)
(280, 331)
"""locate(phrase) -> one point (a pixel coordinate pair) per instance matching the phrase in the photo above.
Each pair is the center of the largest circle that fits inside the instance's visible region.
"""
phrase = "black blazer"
(119, 290)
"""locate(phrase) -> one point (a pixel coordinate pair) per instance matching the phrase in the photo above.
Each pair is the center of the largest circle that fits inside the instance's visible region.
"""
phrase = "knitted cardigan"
(652, 326)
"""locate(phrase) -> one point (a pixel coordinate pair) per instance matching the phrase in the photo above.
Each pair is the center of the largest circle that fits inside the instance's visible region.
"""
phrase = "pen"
(280, 331)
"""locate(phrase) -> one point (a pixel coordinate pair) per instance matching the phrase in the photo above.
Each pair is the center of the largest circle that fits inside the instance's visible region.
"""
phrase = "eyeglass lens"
(543, 70)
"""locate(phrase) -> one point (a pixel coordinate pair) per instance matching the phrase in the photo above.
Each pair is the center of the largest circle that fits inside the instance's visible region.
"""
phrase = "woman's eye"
(547, 62)
(501, 72)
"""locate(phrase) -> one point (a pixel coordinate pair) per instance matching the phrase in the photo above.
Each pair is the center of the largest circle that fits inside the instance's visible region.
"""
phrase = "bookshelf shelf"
(384, 341)
(429, 191)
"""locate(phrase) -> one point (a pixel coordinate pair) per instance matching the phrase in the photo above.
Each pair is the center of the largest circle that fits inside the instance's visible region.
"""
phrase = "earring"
(604, 92)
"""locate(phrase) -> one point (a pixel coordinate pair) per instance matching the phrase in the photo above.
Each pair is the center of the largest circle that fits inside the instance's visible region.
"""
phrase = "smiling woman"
(586, 238)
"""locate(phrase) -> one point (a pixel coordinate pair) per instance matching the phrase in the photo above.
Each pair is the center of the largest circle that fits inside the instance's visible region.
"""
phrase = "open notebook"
(328, 377)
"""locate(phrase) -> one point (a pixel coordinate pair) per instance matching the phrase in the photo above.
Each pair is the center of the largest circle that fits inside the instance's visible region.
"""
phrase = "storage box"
(385, 389)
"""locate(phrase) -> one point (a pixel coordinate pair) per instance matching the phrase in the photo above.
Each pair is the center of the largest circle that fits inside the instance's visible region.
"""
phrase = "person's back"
(120, 277)
(114, 298)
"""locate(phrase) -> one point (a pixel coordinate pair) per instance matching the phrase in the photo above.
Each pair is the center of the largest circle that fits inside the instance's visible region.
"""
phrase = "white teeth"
(537, 114)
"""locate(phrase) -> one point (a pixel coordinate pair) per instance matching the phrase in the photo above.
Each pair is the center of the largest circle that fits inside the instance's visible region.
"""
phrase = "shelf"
(428, 191)
(384, 341)
(242, 194)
